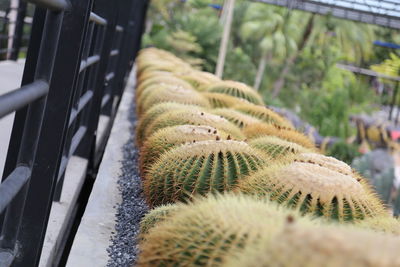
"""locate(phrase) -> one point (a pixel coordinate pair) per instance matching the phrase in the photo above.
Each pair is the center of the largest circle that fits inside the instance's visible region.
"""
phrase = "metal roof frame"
(378, 12)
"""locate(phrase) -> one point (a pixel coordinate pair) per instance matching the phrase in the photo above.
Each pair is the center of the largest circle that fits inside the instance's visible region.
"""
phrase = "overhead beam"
(346, 9)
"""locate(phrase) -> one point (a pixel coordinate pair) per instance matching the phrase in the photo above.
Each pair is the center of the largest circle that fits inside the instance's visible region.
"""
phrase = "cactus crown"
(264, 114)
(239, 119)
(169, 137)
(236, 89)
(200, 168)
(211, 230)
(262, 129)
(218, 100)
(194, 117)
(321, 246)
(323, 187)
(154, 112)
(277, 147)
(170, 93)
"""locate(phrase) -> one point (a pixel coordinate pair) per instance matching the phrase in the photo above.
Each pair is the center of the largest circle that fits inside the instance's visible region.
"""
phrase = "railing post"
(18, 30)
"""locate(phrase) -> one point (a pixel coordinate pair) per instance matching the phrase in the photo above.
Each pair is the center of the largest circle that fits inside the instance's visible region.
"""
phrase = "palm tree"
(353, 39)
(265, 25)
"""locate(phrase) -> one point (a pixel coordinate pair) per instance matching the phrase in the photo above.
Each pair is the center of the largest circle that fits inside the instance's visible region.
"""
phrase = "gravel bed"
(123, 250)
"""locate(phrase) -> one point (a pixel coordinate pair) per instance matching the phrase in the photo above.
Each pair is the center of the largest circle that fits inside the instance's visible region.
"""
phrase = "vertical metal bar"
(106, 9)
(19, 30)
(52, 137)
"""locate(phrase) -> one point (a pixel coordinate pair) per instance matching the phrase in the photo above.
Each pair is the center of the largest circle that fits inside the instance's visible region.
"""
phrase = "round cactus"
(194, 117)
(239, 119)
(277, 147)
(218, 100)
(236, 89)
(209, 231)
(386, 224)
(200, 168)
(169, 137)
(256, 130)
(161, 79)
(154, 112)
(264, 114)
(316, 184)
(313, 246)
(196, 80)
(156, 216)
(169, 93)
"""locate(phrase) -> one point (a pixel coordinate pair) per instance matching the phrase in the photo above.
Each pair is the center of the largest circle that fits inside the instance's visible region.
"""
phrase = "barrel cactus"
(211, 230)
(315, 246)
(386, 224)
(156, 216)
(200, 168)
(196, 79)
(264, 114)
(161, 79)
(239, 119)
(316, 184)
(194, 117)
(170, 93)
(236, 89)
(154, 112)
(169, 137)
(218, 100)
(256, 130)
(277, 147)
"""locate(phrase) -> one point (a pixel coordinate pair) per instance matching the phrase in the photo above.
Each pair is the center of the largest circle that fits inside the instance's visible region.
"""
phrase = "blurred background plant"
(290, 56)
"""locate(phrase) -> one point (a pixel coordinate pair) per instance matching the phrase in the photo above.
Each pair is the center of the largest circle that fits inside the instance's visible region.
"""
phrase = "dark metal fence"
(79, 56)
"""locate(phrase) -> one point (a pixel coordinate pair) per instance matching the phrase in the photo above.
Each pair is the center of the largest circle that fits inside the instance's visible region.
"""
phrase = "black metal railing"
(79, 56)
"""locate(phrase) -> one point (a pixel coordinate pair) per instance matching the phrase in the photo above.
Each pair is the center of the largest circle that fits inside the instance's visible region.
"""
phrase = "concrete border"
(93, 237)
(59, 223)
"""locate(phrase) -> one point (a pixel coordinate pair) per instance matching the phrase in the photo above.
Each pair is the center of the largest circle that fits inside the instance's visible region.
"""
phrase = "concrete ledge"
(93, 237)
(61, 211)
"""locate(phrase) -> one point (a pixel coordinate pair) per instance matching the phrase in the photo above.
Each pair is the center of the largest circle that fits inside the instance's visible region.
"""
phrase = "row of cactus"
(232, 183)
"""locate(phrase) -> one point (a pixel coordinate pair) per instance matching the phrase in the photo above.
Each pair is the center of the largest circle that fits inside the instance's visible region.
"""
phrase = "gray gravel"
(123, 250)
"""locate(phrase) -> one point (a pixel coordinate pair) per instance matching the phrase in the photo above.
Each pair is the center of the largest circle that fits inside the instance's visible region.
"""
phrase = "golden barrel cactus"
(199, 168)
(318, 185)
(194, 117)
(236, 89)
(210, 231)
